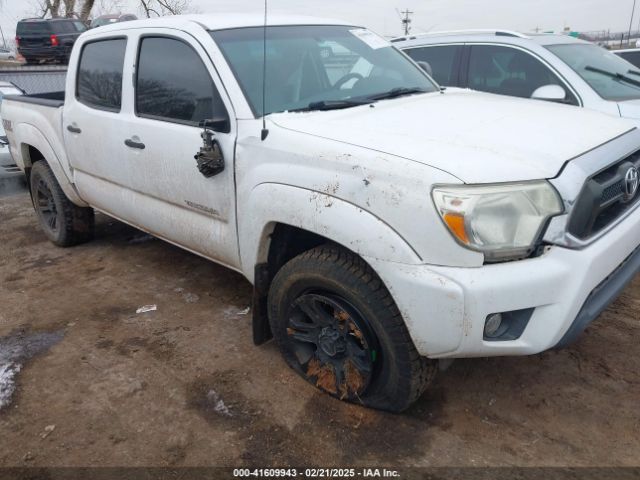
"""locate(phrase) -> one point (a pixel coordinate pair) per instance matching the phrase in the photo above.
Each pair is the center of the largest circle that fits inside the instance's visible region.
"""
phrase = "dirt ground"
(184, 385)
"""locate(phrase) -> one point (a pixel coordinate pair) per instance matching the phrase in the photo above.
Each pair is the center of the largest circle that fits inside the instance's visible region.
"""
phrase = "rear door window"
(99, 82)
(442, 59)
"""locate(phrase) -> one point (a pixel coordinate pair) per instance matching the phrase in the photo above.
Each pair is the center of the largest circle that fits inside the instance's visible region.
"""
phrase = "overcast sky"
(381, 16)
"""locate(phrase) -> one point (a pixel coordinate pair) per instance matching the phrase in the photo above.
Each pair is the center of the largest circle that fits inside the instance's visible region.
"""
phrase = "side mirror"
(550, 93)
(426, 67)
(210, 159)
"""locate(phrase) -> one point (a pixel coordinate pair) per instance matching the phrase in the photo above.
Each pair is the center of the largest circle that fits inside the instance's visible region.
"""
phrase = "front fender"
(318, 212)
(28, 135)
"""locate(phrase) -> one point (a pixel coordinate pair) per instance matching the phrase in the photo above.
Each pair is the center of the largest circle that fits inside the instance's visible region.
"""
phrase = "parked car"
(631, 55)
(8, 168)
(385, 224)
(47, 40)
(6, 54)
(558, 68)
(103, 20)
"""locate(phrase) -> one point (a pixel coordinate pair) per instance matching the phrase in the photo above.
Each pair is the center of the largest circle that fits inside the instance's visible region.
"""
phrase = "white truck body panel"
(360, 177)
(477, 137)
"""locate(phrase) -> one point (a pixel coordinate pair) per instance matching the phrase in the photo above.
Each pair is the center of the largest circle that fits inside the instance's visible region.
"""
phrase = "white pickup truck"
(385, 224)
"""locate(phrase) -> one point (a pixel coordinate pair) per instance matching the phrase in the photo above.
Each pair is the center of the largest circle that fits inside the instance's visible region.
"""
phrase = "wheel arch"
(35, 147)
(283, 221)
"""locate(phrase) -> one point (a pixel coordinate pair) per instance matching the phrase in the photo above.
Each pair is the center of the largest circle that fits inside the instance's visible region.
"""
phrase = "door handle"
(73, 129)
(130, 143)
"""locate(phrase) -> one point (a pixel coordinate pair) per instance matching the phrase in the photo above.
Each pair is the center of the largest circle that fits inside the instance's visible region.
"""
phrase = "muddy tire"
(338, 327)
(64, 223)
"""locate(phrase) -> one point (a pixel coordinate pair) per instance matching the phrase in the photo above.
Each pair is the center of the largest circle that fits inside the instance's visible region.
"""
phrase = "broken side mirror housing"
(220, 124)
(210, 159)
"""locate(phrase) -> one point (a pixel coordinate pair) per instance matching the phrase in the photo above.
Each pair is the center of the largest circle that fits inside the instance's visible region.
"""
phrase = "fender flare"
(336, 219)
(30, 136)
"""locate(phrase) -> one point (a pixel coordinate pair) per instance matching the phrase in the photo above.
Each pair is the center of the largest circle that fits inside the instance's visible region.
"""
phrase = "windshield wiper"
(397, 92)
(633, 72)
(614, 75)
(330, 105)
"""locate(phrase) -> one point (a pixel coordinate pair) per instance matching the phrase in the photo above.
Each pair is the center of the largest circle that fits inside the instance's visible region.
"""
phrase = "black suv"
(52, 39)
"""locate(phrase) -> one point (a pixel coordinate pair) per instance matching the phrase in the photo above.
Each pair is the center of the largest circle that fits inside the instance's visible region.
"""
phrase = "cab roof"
(223, 21)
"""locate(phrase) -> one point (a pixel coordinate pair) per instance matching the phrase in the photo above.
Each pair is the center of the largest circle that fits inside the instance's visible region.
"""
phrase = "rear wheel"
(64, 223)
(338, 327)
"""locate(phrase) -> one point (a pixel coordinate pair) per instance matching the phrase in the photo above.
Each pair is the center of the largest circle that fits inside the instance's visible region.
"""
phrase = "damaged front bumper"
(554, 296)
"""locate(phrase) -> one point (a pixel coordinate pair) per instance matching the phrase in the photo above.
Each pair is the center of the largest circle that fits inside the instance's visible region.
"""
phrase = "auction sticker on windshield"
(370, 38)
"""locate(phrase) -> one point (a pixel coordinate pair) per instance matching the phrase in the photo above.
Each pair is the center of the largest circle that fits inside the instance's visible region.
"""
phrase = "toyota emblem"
(631, 182)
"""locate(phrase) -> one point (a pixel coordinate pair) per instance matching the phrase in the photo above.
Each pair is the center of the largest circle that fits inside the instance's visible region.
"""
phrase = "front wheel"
(64, 223)
(338, 327)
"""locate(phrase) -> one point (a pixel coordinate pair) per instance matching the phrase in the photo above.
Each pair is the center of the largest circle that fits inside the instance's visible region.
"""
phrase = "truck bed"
(52, 99)
(35, 79)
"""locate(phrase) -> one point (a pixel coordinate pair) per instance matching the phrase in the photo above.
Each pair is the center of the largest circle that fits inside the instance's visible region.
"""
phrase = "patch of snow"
(8, 372)
(147, 308)
(218, 405)
(15, 349)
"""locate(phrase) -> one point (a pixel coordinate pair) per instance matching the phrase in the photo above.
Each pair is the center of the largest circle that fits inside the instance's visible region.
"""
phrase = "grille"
(603, 199)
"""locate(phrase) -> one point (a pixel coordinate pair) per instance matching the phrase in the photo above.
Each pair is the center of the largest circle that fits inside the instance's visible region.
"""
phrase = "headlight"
(502, 221)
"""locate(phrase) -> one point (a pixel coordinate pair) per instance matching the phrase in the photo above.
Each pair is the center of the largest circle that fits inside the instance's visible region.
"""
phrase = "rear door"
(92, 121)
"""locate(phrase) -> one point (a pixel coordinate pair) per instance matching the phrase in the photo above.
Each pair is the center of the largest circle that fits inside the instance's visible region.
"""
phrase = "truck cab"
(385, 224)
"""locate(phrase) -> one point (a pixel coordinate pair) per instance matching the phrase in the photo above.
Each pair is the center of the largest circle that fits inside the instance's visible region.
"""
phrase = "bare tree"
(103, 7)
(85, 11)
(63, 8)
(160, 8)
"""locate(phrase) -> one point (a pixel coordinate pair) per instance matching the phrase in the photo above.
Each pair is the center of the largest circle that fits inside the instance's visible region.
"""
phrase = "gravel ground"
(184, 385)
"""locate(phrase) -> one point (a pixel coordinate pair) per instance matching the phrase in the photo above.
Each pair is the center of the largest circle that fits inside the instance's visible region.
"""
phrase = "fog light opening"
(492, 325)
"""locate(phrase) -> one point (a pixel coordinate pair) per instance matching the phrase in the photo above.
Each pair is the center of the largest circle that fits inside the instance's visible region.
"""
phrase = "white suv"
(558, 68)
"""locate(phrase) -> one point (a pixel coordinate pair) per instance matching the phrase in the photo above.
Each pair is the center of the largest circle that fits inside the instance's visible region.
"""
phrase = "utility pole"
(406, 21)
(633, 11)
(4, 42)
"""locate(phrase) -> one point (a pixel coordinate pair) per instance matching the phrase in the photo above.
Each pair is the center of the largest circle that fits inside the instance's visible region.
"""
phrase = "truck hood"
(477, 137)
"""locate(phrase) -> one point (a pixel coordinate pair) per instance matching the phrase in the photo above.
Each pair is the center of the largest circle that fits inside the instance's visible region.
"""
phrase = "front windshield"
(612, 77)
(309, 65)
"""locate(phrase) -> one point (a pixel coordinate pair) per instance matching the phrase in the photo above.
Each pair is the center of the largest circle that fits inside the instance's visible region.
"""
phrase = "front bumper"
(44, 52)
(445, 308)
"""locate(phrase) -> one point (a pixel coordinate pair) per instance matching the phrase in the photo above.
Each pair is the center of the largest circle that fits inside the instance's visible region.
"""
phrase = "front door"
(175, 87)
